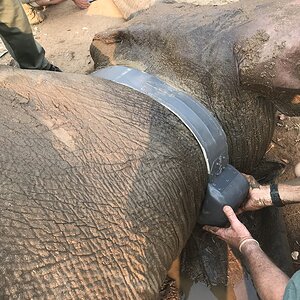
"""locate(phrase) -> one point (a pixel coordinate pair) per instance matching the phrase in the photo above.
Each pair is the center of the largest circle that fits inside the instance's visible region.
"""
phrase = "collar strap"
(196, 117)
(276, 200)
(226, 185)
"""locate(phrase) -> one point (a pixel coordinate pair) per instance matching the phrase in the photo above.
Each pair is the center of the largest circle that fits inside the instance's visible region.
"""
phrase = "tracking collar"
(226, 185)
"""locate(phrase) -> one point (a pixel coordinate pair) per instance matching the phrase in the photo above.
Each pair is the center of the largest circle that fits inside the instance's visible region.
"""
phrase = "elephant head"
(229, 57)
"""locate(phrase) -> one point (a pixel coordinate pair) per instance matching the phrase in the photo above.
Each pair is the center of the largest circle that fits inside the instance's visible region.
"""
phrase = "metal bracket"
(206, 129)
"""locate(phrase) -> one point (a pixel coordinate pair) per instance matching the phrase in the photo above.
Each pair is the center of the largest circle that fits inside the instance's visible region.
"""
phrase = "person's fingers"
(219, 232)
(239, 211)
(245, 206)
(249, 178)
(82, 3)
(213, 229)
(252, 181)
(228, 211)
(246, 175)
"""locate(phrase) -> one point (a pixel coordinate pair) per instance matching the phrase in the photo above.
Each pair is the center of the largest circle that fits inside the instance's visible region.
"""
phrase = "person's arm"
(289, 194)
(259, 195)
(268, 279)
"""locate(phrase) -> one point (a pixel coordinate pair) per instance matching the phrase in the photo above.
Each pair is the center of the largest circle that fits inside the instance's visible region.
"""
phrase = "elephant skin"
(94, 183)
(129, 8)
(101, 186)
(228, 57)
(242, 61)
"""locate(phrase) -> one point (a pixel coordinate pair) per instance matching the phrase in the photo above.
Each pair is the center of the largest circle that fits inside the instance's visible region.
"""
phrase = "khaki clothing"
(17, 36)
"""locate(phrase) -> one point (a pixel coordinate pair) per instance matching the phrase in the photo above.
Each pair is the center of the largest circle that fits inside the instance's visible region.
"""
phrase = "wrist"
(266, 190)
(276, 200)
(248, 246)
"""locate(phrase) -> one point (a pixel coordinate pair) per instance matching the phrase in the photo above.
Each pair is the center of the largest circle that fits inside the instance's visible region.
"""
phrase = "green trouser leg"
(17, 36)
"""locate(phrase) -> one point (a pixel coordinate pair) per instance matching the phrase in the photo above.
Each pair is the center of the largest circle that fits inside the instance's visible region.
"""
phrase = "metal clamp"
(207, 131)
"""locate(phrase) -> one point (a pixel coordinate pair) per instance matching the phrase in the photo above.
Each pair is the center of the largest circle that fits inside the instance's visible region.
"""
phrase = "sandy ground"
(67, 32)
(66, 35)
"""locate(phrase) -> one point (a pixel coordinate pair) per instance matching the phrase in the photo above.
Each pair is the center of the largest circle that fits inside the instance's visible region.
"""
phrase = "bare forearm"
(269, 280)
(289, 194)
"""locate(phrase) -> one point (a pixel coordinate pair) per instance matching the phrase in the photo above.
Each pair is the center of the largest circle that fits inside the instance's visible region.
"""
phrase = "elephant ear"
(104, 46)
(268, 58)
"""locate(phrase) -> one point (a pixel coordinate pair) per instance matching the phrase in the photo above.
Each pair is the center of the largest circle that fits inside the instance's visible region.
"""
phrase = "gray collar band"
(226, 185)
(195, 116)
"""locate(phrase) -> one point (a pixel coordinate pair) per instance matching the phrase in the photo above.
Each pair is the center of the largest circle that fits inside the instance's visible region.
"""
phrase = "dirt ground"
(66, 35)
(285, 148)
(67, 32)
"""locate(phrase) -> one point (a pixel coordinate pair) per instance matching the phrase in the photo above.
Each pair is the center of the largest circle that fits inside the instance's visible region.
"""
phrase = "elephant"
(219, 55)
(101, 186)
(128, 8)
(224, 56)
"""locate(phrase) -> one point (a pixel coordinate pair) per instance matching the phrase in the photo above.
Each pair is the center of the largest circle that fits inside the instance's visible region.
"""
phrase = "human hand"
(258, 196)
(83, 4)
(233, 235)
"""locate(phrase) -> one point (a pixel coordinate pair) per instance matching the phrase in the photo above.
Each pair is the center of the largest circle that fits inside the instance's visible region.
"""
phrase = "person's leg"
(16, 32)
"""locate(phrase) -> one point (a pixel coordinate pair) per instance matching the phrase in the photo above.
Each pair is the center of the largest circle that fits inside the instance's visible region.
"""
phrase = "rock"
(295, 255)
(297, 170)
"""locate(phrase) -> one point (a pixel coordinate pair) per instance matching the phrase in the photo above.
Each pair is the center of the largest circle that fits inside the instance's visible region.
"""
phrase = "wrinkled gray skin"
(100, 188)
(100, 185)
(242, 61)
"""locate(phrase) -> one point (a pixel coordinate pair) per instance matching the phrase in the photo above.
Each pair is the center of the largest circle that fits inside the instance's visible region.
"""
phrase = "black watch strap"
(276, 200)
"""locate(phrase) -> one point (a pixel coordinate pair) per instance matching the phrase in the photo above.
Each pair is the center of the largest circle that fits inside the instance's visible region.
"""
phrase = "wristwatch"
(276, 200)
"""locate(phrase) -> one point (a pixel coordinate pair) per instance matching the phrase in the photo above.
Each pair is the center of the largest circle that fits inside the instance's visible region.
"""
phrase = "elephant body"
(130, 7)
(100, 185)
(242, 61)
(92, 175)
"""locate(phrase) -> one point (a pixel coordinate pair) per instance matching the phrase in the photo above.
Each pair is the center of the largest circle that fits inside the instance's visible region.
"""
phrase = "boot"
(54, 68)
